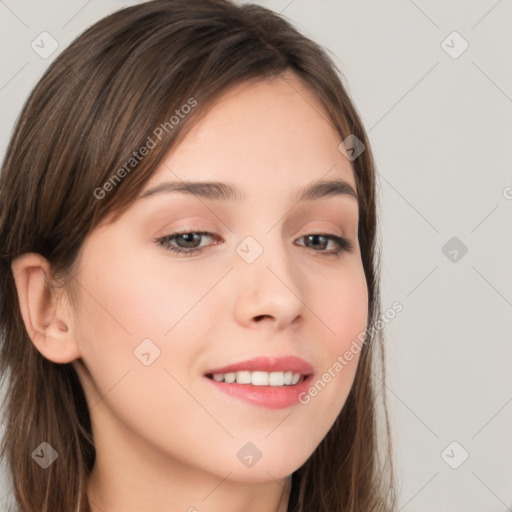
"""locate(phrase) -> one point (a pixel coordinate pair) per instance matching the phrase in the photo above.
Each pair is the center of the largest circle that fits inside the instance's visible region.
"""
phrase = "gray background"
(441, 133)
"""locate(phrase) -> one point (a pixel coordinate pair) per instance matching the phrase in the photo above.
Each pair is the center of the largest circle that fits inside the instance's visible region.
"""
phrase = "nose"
(268, 291)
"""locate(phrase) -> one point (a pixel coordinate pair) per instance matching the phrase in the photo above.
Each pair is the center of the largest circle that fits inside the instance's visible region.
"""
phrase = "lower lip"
(269, 397)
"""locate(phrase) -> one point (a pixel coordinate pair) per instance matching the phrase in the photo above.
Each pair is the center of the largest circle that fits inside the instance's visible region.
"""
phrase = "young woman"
(189, 275)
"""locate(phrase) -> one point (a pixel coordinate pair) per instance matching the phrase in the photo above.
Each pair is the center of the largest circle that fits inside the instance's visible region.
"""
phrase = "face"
(268, 288)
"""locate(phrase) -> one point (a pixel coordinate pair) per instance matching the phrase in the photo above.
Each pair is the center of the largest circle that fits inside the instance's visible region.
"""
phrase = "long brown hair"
(92, 111)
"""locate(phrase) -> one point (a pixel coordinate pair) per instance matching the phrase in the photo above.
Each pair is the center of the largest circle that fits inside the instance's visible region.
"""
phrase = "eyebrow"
(217, 190)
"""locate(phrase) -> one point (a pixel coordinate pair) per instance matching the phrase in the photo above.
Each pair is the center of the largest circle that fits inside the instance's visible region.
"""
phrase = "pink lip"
(270, 397)
(268, 364)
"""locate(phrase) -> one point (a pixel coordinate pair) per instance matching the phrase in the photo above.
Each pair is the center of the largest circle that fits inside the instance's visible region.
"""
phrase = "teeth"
(276, 379)
(259, 378)
(243, 377)
(230, 377)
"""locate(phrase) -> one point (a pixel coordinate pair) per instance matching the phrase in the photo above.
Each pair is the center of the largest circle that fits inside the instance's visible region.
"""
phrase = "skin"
(166, 439)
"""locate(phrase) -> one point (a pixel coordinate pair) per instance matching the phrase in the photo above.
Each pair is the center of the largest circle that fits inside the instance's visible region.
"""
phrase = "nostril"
(260, 317)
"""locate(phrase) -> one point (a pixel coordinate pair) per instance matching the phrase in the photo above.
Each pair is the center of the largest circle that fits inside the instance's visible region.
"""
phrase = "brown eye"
(186, 243)
(321, 241)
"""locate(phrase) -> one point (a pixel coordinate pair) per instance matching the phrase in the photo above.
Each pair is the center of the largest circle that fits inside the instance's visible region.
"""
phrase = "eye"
(188, 243)
(185, 243)
(343, 244)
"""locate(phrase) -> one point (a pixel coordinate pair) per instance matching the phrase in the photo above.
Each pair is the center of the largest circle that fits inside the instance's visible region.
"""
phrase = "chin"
(267, 469)
(263, 474)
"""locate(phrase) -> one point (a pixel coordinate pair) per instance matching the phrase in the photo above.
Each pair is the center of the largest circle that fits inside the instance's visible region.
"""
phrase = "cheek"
(138, 319)
(142, 297)
(342, 306)
(344, 314)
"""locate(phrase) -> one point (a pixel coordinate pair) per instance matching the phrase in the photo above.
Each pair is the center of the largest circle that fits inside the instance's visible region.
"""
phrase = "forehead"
(272, 134)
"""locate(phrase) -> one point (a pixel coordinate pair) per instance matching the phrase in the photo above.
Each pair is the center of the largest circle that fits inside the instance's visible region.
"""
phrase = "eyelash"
(344, 245)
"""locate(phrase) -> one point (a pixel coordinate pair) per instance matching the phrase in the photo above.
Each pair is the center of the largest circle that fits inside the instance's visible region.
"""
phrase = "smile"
(268, 382)
(259, 378)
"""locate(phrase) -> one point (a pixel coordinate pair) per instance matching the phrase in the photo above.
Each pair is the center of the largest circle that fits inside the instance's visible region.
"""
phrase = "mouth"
(269, 382)
(259, 378)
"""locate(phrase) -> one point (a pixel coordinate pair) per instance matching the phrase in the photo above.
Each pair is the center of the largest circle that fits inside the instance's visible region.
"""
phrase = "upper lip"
(268, 364)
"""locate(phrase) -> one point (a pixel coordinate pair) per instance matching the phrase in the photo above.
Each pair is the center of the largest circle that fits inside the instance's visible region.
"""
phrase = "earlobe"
(48, 323)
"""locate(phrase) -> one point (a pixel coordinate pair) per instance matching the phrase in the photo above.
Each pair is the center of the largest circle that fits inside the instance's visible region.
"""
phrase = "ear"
(47, 321)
